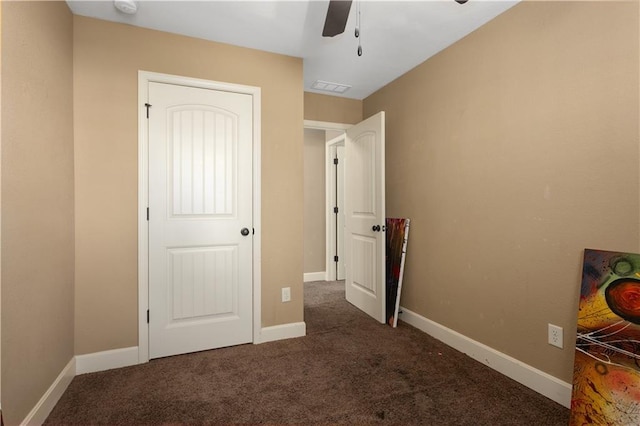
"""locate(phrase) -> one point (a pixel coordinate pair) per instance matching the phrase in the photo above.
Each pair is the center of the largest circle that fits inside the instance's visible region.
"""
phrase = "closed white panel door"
(365, 216)
(200, 200)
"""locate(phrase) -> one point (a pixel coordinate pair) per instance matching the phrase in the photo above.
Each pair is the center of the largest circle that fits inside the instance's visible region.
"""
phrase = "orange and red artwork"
(397, 230)
(606, 376)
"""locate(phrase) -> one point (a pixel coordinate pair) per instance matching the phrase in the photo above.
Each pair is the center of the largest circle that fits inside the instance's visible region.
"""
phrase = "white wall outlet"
(286, 294)
(555, 336)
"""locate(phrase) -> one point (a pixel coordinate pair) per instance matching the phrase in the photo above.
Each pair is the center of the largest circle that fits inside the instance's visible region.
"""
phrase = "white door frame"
(330, 237)
(144, 78)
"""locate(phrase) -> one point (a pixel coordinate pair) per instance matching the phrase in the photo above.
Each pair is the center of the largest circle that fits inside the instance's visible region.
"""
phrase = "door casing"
(144, 78)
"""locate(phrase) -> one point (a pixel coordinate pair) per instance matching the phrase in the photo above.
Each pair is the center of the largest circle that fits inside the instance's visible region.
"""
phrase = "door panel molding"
(144, 78)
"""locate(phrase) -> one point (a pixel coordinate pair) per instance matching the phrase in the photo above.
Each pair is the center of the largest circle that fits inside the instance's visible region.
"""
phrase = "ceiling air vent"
(327, 86)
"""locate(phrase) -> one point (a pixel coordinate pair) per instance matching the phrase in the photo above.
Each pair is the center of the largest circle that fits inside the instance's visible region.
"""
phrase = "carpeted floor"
(347, 370)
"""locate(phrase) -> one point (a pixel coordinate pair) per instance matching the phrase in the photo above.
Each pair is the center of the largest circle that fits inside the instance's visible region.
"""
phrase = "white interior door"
(335, 199)
(340, 269)
(200, 202)
(365, 216)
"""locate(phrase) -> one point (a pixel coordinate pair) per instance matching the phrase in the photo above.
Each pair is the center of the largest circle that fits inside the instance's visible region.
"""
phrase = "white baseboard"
(281, 332)
(43, 408)
(106, 360)
(541, 382)
(315, 276)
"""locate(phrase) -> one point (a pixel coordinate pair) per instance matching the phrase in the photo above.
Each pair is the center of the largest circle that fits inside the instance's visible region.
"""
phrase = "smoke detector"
(130, 7)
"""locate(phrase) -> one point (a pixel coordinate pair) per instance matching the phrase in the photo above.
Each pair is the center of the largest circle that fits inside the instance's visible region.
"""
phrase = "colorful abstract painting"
(397, 237)
(606, 378)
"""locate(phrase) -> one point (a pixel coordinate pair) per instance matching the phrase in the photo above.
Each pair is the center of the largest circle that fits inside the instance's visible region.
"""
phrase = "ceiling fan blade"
(336, 19)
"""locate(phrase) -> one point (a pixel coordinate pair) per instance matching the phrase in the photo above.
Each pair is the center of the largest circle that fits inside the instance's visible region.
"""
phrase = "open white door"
(365, 216)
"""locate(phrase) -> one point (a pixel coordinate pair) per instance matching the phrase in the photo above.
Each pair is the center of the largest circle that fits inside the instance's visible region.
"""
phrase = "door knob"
(244, 231)
(375, 228)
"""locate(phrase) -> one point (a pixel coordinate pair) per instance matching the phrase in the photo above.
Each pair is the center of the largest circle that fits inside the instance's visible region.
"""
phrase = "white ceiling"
(395, 35)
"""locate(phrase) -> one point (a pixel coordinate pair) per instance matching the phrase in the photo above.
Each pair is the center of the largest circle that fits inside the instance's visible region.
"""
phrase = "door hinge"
(147, 316)
(147, 106)
(335, 258)
(335, 161)
(335, 210)
(253, 231)
(147, 213)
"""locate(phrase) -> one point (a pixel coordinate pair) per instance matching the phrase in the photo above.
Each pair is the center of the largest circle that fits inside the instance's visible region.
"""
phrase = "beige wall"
(314, 201)
(106, 63)
(332, 109)
(37, 201)
(511, 152)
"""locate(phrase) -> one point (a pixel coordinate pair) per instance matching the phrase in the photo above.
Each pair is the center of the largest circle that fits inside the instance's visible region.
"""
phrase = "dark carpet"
(347, 370)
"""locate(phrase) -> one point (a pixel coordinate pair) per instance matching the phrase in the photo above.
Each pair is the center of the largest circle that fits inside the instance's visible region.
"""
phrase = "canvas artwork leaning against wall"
(606, 379)
(397, 231)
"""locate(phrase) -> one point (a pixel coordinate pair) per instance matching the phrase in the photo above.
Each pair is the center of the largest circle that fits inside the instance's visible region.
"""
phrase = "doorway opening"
(334, 189)
(364, 212)
(324, 197)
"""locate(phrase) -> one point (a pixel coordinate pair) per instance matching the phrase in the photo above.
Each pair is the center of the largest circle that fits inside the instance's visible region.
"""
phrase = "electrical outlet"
(555, 336)
(286, 294)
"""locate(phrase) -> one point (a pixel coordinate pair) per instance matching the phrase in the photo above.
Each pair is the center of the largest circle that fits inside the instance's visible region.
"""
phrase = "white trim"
(43, 408)
(329, 224)
(325, 125)
(257, 209)
(315, 276)
(144, 77)
(541, 382)
(106, 360)
(143, 226)
(281, 332)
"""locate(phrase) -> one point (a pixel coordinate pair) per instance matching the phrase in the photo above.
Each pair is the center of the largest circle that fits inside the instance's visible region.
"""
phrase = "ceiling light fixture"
(130, 7)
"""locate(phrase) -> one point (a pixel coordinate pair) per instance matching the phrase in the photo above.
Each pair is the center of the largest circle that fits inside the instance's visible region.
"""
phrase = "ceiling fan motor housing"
(337, 15)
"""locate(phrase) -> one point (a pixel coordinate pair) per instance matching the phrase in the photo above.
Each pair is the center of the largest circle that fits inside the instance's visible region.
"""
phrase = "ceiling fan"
(337, 15)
